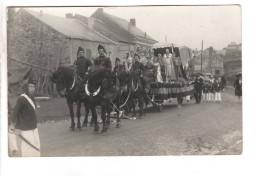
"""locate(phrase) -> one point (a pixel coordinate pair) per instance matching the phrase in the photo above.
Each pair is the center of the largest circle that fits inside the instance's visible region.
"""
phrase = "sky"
(217, 26)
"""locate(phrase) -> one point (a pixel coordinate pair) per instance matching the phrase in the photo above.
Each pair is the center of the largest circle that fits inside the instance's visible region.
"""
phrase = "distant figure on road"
(238, 88)
(218, 89)
(206, 92)
(24, 119)
(223, 83)
(198, 85)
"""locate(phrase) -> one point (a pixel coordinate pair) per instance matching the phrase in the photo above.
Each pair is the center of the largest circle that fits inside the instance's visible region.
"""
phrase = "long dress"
(169, 69)
(158, 77)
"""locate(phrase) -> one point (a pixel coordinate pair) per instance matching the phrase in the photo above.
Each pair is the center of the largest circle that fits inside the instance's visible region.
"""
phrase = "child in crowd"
(206, 92)
(217, 87)
(211, 92)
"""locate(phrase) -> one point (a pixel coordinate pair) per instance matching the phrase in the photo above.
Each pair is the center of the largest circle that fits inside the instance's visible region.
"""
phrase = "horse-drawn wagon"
(179, 88)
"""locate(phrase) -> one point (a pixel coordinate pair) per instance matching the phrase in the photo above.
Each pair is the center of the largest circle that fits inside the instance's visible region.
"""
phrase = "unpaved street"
(195, 129)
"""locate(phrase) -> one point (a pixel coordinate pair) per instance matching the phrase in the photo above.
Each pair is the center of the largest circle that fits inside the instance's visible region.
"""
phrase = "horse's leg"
(141, 106)
(118, 121)
(85, 122)
(78, 114)
(133, 106)
(70, 104)
(94, 118)
(103, 117)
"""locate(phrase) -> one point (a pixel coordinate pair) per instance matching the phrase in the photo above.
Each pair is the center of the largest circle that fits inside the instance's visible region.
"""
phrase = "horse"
(102, 90)
(67, 86)
(136, 88)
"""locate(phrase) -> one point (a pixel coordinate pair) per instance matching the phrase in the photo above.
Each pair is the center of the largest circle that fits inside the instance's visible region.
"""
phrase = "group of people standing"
(210, 90)
(160, 68)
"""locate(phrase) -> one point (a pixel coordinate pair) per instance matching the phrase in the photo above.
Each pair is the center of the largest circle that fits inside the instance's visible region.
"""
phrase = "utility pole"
(201, 56)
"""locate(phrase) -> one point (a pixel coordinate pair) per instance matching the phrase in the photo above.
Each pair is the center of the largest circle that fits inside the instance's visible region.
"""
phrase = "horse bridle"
(65, 82)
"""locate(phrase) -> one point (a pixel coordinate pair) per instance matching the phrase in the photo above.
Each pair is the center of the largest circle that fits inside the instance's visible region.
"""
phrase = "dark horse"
(66, 85)
(137, 92)
(104, 88)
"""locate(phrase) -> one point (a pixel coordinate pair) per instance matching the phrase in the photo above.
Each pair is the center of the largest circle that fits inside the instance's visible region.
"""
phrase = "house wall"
(31, 41)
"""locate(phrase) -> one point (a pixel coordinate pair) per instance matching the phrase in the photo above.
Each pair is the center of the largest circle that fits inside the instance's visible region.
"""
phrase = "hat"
(101, 47)
(117, 59)
(80, 49)
(137, 55)
(31, 81)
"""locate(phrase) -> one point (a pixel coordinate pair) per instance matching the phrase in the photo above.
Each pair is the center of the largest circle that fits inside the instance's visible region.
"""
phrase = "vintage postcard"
(124, 81)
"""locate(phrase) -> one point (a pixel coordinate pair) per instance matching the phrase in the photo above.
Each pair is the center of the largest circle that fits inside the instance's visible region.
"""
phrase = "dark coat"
(206, 88)
(138, 67)
(212, 88)
(103, 61)
(238, 88)
(82, 65)
(217, 87)
(24, 115)
(118, 68)
(198, 84)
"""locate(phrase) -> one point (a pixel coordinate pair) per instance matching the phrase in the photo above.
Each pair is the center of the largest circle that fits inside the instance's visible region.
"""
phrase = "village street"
(194, 129)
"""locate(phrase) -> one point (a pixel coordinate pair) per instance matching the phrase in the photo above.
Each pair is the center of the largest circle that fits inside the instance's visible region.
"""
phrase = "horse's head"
(60, 79)
(124, 79)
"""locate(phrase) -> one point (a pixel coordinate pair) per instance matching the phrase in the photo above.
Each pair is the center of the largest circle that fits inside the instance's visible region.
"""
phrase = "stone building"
(46, 41)
(49, 41)
(232, 61)
(212, 62)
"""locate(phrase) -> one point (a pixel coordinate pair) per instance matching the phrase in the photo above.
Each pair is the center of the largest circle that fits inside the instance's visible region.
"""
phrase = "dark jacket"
(212, 88)
(138, 67)
(24, 115)
(82, 65)
(198, 84)
(118, 68)
(206, 88)
(103, 61)
(217, 87)
(238, 88)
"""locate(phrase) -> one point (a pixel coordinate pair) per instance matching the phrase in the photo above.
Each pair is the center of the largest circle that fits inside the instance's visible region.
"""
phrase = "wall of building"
(31, 41)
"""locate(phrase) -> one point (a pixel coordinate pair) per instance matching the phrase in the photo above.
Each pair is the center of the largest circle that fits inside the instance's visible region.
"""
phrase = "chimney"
(69, 15)
(132, 21)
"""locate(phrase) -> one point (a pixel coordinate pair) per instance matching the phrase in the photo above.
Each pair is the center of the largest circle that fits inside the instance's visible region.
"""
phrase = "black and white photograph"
(124, 81)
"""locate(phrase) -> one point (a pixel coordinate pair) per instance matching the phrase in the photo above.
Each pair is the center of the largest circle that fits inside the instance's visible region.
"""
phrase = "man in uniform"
(138, 68)
(82, 66)
(102, 61)
(198, 86)
(118, 66)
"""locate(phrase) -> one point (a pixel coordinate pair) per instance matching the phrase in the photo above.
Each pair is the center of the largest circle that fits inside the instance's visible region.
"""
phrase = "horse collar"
(73, 84)
(91, 94)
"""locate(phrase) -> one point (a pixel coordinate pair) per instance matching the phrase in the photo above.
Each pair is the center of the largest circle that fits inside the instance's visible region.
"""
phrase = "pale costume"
(169, 68)
(158, 77)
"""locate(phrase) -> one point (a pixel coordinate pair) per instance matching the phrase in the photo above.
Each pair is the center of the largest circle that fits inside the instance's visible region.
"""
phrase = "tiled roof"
(124, 26)
(70, 27)
(127, 26)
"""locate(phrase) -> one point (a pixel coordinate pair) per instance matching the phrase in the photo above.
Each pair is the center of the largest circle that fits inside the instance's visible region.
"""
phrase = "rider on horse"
(102, 61)
(138, 68)
(82, 66)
